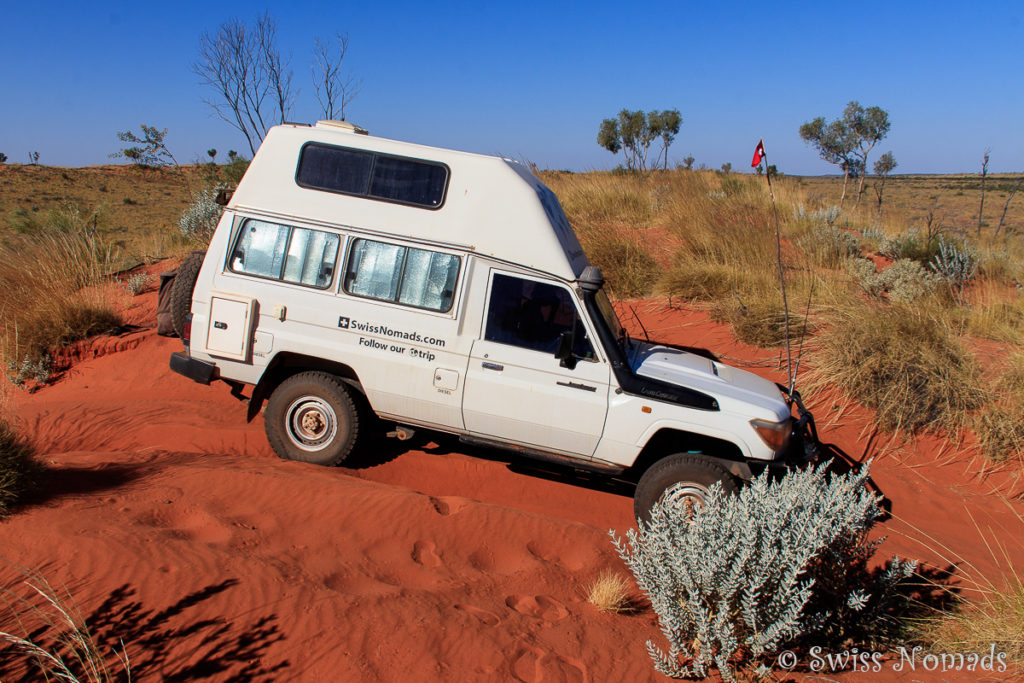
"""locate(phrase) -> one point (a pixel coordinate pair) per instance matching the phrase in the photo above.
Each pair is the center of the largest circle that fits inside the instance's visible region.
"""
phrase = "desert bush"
(907, 281)
(48, 637)
(904, 281)
(910, 245)
(19, 471)
(956, 265)
(904, 361)
(610, 592)
(38, 370)
(198, 221)
(871, 238)
(136, 282)
(780, 563)
(827, 215)
(827, 246)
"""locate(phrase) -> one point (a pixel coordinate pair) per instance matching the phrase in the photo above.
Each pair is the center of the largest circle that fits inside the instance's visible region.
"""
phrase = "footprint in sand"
(483, 616)
(425, 553)
(533, 665)
(448, 505)
(542, 607)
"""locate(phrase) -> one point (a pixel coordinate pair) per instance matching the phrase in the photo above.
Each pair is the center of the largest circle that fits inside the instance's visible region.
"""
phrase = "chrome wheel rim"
(311, 423)
(684, 498)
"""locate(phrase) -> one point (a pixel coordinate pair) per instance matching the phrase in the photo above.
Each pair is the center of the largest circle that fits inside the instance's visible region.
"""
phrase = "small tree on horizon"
(632, 133)
(984, 174)
(834, 142)
(868, 126)
(666, 125)
(847, 141)
(149, 151)
(883, 167)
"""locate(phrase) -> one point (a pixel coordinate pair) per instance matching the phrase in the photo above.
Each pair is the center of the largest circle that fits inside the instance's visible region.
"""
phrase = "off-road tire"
(694, 473)
(312, 417)
(181, 290)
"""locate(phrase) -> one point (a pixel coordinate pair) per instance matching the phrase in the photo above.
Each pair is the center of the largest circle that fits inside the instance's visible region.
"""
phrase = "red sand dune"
(177, 530)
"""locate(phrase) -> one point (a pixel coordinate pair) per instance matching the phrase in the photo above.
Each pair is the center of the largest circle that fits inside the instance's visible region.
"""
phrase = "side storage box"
(231, 326)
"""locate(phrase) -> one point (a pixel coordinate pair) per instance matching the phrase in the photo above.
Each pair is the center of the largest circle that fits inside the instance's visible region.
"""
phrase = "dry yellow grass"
(46, 293)
(49, 638)
(611, 592)
(986, 613)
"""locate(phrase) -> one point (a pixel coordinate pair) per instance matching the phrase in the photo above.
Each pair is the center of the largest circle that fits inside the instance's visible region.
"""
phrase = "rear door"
(516, 389)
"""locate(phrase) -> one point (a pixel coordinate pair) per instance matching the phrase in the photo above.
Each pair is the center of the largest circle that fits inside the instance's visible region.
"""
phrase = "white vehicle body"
(449, 308)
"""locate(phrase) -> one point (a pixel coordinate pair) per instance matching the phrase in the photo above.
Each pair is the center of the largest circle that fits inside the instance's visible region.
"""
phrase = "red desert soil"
(178, 531)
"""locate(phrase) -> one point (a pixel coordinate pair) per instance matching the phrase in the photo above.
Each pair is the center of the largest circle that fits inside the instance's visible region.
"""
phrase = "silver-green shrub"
(828, 246)
(779, 563)
(956, 265)
(200, 218)
(905, 280)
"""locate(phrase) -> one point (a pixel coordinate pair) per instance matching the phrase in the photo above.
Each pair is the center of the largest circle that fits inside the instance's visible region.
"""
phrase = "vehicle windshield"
(604, 305)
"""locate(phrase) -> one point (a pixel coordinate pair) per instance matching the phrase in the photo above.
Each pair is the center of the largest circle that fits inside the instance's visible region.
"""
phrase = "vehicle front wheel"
(682, 481)
(312, 417)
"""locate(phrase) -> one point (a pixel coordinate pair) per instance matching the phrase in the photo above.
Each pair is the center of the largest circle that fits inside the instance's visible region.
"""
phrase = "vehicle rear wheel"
(312, 417)
(682, 481)
(181, 290)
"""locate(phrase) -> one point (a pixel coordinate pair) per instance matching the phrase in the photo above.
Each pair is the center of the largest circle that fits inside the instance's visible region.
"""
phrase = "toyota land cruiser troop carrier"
(446, 290)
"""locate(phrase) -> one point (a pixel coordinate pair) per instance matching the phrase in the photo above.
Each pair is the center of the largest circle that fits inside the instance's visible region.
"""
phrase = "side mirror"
(564, 350)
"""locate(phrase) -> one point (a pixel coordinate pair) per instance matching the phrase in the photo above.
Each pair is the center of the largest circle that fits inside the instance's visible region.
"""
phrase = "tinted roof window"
(404, 180)
(371, 175)
(332, 168)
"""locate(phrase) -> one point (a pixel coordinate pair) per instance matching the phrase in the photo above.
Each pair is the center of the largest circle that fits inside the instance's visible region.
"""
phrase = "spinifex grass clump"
(18, 469)
(45, 295)
(904, 361)
(780, 563)
(611, 216)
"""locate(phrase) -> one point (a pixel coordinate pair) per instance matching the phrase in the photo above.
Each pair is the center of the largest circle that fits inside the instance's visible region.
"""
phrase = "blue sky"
(534, 81)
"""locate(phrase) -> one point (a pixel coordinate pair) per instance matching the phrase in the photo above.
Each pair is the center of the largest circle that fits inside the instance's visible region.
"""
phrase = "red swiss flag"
(758, 154)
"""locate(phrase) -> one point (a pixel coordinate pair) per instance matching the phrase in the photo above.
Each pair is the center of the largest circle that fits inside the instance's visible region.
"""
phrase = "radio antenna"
(639, 322)
(759, 157)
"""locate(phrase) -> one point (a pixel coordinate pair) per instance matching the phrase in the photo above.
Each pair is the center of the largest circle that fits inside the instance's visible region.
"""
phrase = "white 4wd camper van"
(445, 290)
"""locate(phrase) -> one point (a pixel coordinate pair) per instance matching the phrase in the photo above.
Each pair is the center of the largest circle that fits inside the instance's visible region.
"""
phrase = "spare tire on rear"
(184, 285)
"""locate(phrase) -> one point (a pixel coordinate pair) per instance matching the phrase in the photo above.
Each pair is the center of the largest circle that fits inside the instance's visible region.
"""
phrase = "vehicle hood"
(736, 390)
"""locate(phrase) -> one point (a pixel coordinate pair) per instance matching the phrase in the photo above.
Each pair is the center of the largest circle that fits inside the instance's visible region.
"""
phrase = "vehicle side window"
(286, 253)
(533, 315)
(390, 272)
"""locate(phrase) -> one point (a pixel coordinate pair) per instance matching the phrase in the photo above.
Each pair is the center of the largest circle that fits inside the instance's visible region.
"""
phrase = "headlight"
(774, 434)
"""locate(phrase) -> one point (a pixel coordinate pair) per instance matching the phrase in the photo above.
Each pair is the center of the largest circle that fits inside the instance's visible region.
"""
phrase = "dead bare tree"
(984, 172)
(334, 91)
(1013, 191)
(253, 83)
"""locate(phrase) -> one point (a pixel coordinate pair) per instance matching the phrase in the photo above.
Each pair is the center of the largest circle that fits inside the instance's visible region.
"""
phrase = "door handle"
(492, 366)
(577, 385)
